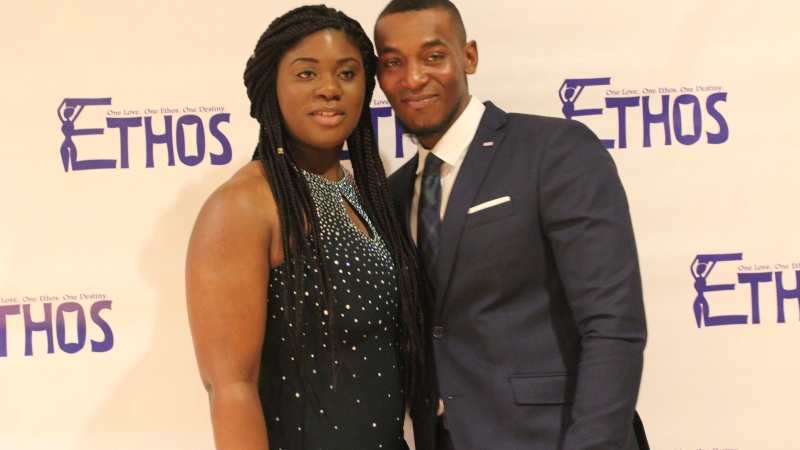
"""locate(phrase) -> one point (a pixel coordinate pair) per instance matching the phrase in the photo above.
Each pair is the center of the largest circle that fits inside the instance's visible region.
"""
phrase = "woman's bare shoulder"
(241, 213)
(245, 200)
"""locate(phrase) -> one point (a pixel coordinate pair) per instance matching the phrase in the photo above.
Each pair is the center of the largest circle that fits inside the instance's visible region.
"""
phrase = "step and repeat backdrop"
(118, 119)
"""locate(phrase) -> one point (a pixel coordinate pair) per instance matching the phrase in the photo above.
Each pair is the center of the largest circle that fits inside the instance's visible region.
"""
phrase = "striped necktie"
(430, 202)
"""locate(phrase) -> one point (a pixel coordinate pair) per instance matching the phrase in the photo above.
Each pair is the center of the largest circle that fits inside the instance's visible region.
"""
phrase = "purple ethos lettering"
(61, 329)
(621, 103)
(61, 318)
(108, 336)
(151, 139)
(45, 325)
(227, 152)
(386, 111)
(782, 293)
(711, 107)
(687, 99)
(786, 294)
(71, 108)
(200, 136)
(123, 123)
(5, 310)
(648, 118)
(753, 279)
(572, 88)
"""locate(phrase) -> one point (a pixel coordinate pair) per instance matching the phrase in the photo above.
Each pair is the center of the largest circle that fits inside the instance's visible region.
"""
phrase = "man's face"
(422, 68)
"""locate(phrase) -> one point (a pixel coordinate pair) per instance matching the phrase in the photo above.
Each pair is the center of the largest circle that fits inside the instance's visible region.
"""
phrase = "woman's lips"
(328, 118)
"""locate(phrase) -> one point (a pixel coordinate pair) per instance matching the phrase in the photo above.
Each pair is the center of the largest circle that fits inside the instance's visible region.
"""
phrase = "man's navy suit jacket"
(537, 325)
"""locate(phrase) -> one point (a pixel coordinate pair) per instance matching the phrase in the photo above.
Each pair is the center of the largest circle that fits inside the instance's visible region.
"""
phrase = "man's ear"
(470, 57)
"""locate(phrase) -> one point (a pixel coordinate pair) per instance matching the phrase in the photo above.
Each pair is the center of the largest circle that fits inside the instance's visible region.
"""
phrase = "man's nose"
(415, 77)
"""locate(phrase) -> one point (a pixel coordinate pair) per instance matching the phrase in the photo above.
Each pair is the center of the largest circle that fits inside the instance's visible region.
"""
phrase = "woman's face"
(321, 89)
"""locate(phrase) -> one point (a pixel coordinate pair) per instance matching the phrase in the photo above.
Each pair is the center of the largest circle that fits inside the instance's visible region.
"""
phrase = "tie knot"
(432, 165)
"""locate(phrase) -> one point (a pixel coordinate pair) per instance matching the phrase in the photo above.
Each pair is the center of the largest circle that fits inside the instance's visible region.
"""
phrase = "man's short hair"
(399, 6)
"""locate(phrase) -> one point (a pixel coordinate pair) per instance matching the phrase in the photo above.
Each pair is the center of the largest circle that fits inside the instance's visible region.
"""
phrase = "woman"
(296, 269)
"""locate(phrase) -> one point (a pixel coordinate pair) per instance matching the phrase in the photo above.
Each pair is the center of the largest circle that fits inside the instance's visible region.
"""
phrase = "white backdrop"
(105, 248)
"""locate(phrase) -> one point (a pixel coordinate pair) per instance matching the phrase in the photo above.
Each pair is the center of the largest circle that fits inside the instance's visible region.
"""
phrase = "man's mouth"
(420, 101)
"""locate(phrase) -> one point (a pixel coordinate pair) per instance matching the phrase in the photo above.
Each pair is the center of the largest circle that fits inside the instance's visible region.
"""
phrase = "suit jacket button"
(438, 332)
(427, 403)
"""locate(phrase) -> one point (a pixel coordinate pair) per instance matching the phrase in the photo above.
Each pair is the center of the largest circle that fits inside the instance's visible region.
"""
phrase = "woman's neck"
(322, 162)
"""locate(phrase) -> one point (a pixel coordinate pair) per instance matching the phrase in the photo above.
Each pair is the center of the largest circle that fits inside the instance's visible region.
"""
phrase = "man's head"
(423, 63)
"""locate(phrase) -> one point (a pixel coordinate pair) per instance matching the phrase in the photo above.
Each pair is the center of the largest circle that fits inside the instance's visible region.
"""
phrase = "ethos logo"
(171, 137)
(43, 314)
(381, 109)
(682, 111)
(757, 276)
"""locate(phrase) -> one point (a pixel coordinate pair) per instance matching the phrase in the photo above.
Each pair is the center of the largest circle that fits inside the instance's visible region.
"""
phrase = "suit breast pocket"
(543, 389)
(490, 214)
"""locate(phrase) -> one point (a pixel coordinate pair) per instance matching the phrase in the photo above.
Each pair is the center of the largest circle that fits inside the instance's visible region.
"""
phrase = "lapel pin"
(488, 144)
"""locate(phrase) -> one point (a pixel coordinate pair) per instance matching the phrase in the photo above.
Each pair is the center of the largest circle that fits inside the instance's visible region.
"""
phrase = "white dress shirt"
(451, 148)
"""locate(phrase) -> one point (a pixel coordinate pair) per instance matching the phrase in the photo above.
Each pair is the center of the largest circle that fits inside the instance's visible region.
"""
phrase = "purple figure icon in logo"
(701, 267)
(572, 89)
(68, 112)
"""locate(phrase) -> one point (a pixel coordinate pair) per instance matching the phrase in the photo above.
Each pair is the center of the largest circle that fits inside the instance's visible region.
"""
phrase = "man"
(534, 308)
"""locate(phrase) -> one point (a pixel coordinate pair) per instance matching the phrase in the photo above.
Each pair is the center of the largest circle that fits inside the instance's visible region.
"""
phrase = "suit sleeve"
(586, 219)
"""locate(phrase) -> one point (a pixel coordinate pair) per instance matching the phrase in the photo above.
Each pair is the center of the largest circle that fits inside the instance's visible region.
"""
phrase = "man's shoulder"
(537, 125)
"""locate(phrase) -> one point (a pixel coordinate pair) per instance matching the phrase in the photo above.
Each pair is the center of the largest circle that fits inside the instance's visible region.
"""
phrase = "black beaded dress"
(357, 399)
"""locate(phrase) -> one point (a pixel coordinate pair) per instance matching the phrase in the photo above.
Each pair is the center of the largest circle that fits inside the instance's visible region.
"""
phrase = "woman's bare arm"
(235, 241)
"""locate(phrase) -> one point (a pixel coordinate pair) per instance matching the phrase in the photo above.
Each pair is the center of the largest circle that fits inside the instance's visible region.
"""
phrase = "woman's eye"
(306, 74)
(347, 74)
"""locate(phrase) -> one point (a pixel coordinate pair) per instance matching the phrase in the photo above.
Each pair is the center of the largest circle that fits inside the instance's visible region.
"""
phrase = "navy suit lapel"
(468, 182)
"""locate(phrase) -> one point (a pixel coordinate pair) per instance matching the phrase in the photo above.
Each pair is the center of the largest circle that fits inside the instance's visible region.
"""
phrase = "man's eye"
(392, 63)
(436, 57)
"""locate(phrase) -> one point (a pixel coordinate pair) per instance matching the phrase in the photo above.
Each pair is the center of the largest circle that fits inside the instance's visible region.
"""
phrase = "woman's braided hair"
(298, 216)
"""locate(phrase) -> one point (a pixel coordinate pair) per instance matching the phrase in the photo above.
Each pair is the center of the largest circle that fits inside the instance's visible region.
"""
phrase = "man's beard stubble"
(437, 130)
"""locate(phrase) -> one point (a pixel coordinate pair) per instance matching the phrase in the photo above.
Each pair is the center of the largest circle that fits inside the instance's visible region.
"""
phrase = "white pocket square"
(489, 204)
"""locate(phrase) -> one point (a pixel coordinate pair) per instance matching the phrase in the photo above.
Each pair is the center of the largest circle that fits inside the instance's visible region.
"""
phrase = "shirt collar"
(455, 141)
